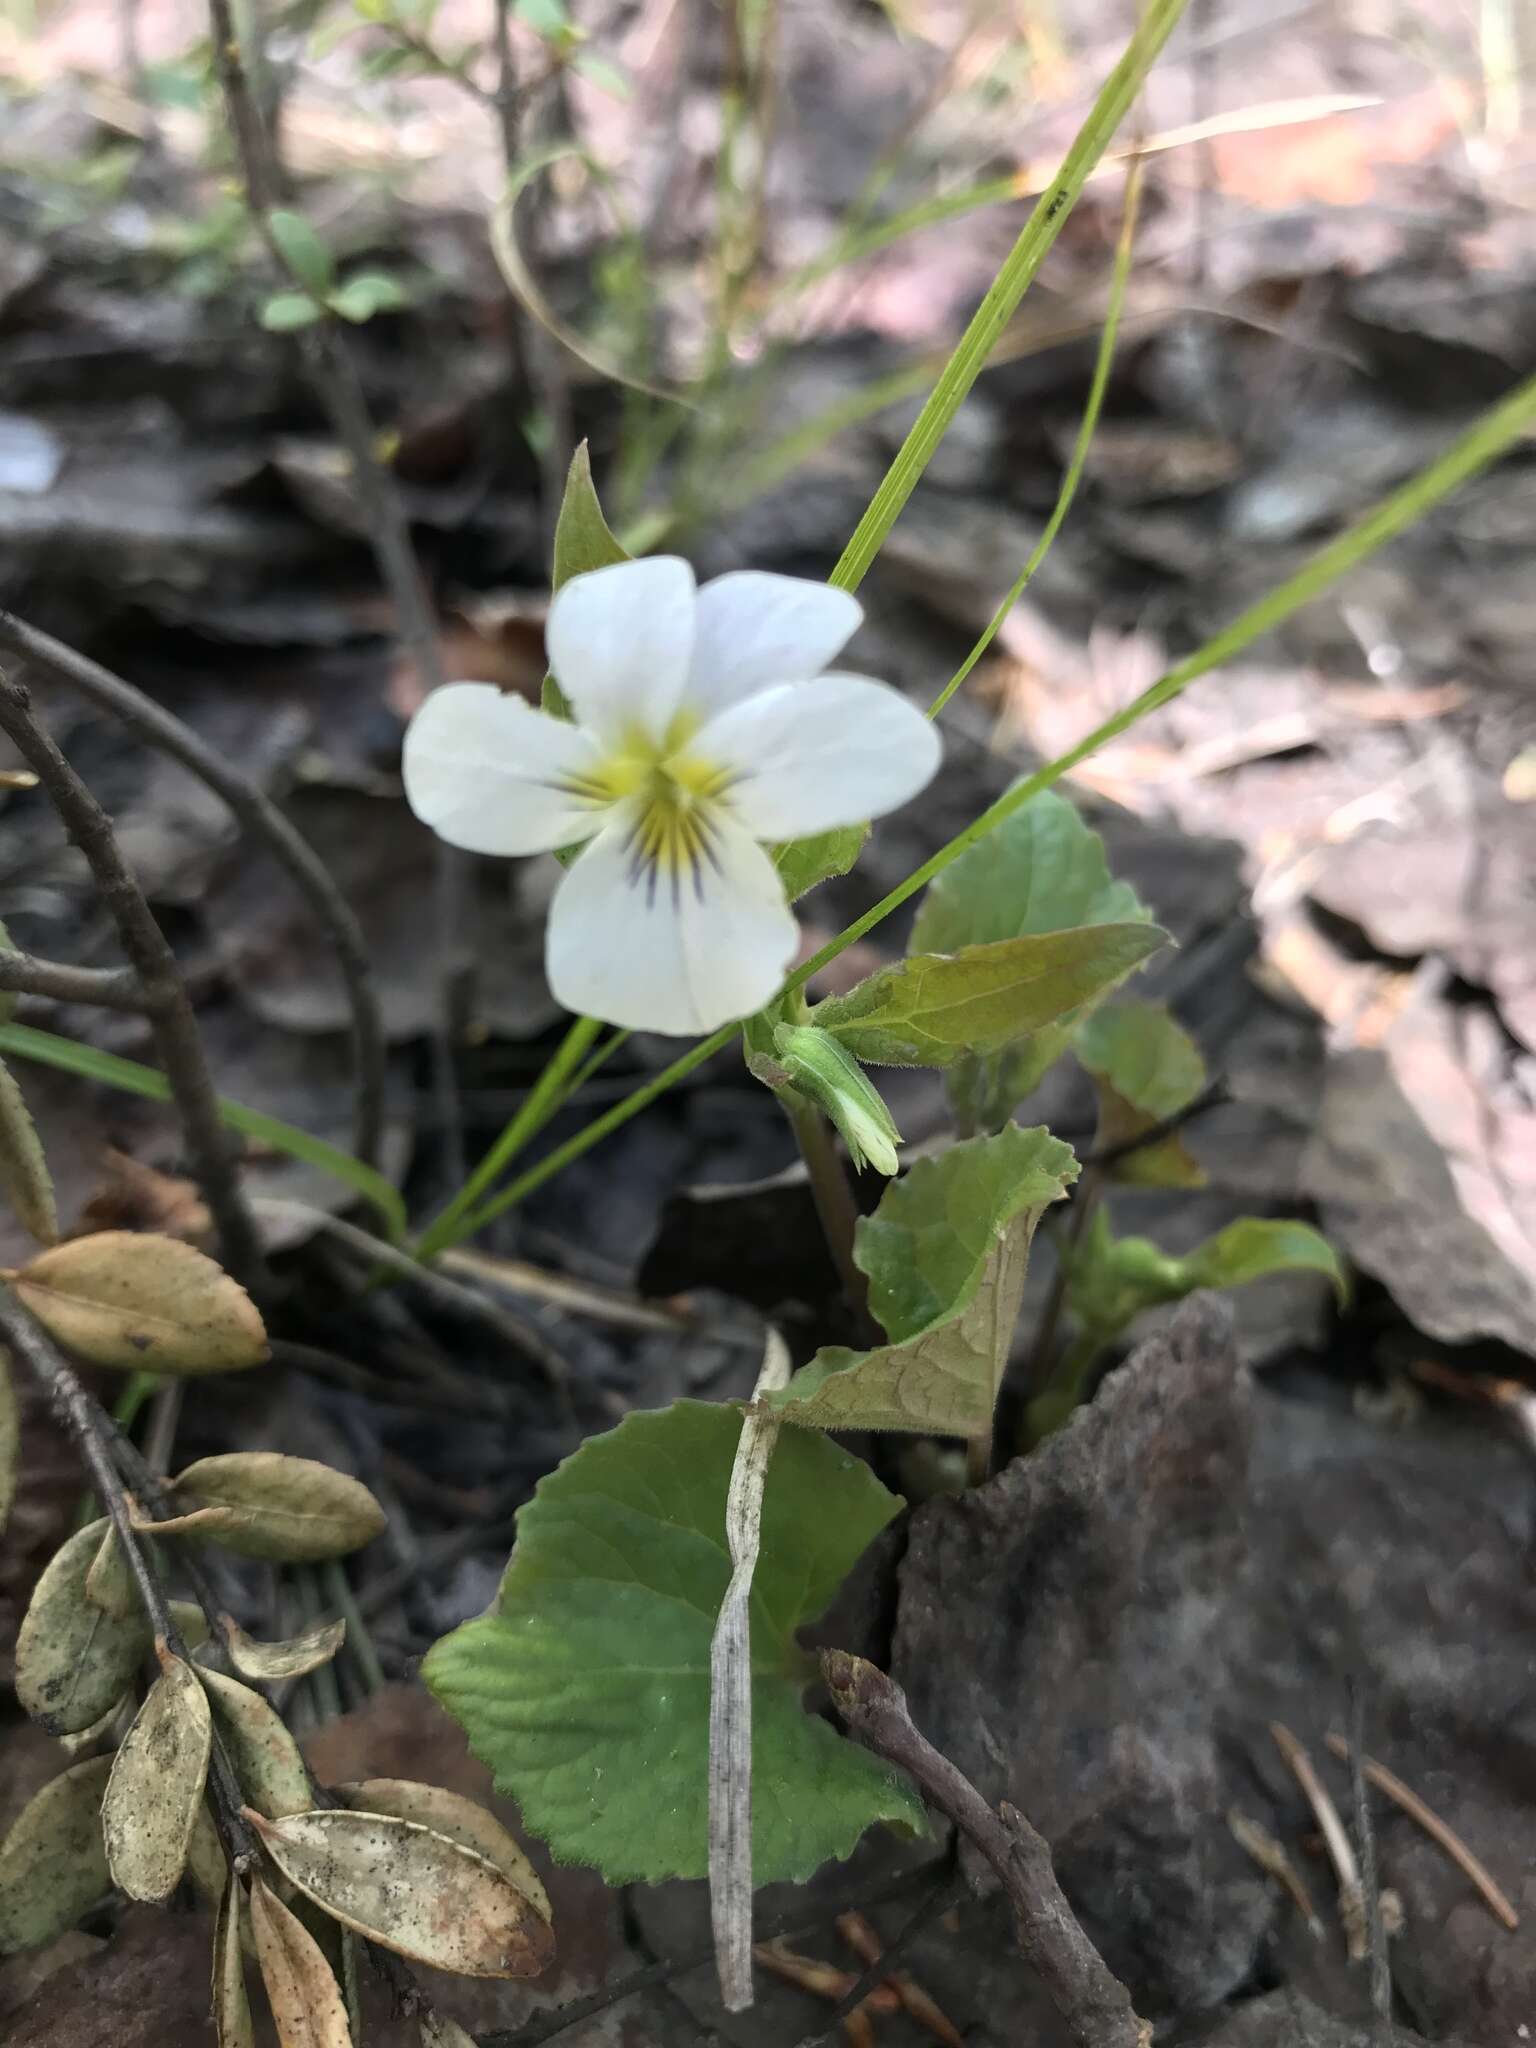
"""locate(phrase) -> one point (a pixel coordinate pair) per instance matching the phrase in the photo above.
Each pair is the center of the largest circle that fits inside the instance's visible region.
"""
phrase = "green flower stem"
(836, 1210)
(1483, 442)
(1008, 287)
(1085, 433)
(338, 1590)
(537, 1107)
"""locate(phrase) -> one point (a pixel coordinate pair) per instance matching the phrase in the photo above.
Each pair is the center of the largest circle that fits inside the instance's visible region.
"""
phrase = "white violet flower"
(704, 726)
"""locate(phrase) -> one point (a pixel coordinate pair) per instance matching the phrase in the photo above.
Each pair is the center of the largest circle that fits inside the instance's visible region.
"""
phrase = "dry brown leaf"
(138, 1303)
(262, 1504)
(307, 2006)
(155, 1790)
(133, 1196)
(451, 1814)
(52, 1863)
(413, 1890)
(438, 2031)
(265, 1756)
(231, 2007)
(288, 1659)
(73, 1661)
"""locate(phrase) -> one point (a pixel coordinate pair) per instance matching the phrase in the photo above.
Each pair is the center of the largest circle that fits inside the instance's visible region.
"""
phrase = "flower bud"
(833, 1079)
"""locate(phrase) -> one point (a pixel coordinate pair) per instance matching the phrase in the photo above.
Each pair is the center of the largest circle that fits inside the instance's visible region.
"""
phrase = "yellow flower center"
(673, 791)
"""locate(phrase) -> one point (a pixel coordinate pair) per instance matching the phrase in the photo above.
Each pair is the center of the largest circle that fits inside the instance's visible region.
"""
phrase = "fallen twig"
(1336, 1841)
(1433, 1826)
(262, 818)
(110, 988)
(1093, 2003)
(159, 978)
(1270, 1855)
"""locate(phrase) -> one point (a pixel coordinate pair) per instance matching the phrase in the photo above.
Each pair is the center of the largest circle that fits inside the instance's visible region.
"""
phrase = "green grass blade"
(91, 1064)
(1085, 433)
(1008, 287)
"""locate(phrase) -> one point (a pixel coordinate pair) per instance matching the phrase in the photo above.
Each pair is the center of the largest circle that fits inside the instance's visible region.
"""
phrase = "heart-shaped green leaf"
(1147, 1068)
(586, 1687)
(946, 1254)
(935, 1008)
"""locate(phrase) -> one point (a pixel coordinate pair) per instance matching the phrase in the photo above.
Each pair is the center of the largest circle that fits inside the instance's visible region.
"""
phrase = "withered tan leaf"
(52, 1863)
(109, 1582)
(262, 1504)
(207, 1865)
(413, 1890)
(307, 2006)
(101, 1731)
(231, 2007)
(190, 1621)
(24, 1175)
(265, 1756)
(138, 1303)
(451, 1814)
(10, 1438)
(155, 1790)
(288, 1659)
(74, 1662)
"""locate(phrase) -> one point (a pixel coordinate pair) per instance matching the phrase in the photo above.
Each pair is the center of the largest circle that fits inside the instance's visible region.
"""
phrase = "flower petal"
(628, 946)
(485, 771)
(810, 756)
(755, 629)
(620, 640)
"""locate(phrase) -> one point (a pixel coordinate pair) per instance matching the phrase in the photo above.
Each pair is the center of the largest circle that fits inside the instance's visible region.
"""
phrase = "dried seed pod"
(413, 1890)
(52, 1863)
(155, 1791)
(265, 1756)
(262, 1504)
(73, 1660)
(139, 1303)
(289, 1659)
(306, 2001)
(450, 1814)
(231, 2007)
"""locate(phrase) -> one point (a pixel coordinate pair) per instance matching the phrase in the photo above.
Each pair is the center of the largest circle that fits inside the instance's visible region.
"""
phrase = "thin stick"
(109, 988)
(94, 1438)
(260, 817)
(1365, 1835)
(1437, 1830)
(334, 375)
(878, 1965)
(1094, 2005)
(1340, 1854)
(165, 995)
(1261, 1845)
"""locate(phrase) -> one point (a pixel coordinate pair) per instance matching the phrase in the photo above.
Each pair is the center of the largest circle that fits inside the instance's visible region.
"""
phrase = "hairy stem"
(836, 1209)
(153, 962)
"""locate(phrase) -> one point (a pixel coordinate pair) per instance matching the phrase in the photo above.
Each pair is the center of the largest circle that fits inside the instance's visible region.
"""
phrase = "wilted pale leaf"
(265, 1756)
(288, 1659)
(451, 1814)
(53, 1867)
(306, 2001)
(604, 1622)
(207, 1865)
(262, 1504)
(1147, 1068)
(231, 2007)
(109, 1584)
(935, 1008)
(89, 1739)
(10, 1437)
(946, 1254)
(155, 1791)
(73, 1661)
(139, 1303)
(412, 1889)
(24, 1175)
(191, 1622)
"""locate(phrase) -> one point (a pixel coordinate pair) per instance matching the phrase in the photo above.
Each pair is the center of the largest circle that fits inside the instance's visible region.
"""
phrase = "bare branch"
(95, 1438)
(110, 988)
(151, 958)
(262, 818)
(1092, 2001)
